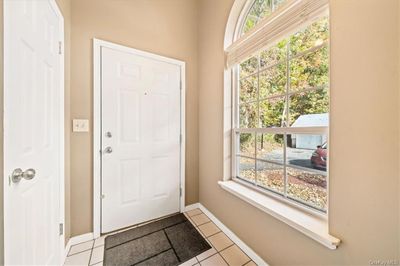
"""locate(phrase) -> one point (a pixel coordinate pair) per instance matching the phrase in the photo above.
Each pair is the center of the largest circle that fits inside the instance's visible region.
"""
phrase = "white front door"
(140, 138)
(32, 132)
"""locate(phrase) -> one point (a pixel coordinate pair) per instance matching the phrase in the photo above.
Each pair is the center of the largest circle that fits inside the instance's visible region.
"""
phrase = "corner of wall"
(1, 138)
(398, 85)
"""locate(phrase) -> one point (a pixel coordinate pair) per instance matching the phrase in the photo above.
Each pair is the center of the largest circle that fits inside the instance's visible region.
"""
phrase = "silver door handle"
(18, 174)
(108, 150)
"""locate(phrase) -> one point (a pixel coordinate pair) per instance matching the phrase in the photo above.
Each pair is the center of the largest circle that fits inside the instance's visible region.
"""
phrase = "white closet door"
(32, 132)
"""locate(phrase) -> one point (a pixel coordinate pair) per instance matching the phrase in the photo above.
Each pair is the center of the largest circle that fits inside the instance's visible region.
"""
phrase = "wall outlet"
(80, 125)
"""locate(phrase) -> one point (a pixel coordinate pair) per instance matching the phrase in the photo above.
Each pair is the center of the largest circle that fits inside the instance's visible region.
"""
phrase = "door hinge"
(180, 138)
(180, 192)
(61, 229)
(59, 47)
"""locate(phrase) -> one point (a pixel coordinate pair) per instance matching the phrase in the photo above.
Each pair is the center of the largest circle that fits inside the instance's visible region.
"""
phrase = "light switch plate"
(80, 125)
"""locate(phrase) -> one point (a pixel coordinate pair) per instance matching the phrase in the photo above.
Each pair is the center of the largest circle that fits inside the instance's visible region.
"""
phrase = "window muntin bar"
(279, 88)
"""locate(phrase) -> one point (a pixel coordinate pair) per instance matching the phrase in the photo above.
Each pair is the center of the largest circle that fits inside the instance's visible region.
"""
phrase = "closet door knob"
(18, 174)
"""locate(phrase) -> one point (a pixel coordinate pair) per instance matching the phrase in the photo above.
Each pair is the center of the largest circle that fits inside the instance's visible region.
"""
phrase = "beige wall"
(163, 27)
(364, 154)
(1, 137)
(364, 194)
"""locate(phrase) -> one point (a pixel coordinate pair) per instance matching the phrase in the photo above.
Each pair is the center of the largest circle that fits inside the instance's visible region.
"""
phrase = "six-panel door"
(32, 132)
(140, 139)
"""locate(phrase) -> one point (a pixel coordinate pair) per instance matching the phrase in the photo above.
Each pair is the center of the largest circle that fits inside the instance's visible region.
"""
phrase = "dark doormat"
(170, 241)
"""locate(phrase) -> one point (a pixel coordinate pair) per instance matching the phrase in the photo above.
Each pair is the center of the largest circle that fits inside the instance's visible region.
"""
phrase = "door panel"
(130, 181)
(32, 132)
(141, 110)
(129, 115)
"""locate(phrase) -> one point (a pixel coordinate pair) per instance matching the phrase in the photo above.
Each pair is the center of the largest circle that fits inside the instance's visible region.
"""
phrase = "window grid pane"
(258, 11)
(307, 71)
(246, 169)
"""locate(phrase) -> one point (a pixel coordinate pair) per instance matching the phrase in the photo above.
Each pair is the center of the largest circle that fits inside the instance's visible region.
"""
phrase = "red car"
(319, 157)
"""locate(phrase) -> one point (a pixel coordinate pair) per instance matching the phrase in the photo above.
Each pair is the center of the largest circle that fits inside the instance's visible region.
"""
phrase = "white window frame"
(308, 221)
(236, 130)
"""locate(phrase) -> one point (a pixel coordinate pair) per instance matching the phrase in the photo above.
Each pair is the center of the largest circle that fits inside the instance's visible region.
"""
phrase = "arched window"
(280, 112)
(259, 10)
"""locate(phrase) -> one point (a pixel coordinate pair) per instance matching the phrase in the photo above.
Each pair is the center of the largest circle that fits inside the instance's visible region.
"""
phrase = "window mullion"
(287, 117)
(259, 120)
(236, 118)
(289, 130)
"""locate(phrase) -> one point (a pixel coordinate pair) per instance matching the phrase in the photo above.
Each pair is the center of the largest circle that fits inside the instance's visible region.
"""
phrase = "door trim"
(6, 62)
(97, 45)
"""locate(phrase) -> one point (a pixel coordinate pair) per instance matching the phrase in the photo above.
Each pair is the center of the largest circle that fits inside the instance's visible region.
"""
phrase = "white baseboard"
(254, 256)
(77, 240)
(192, 207)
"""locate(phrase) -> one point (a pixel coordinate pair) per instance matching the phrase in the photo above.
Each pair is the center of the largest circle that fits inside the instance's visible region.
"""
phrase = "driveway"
(299, 157)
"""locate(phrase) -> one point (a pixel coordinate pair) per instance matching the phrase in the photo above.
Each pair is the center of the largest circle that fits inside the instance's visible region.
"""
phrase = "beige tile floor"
(223, 251)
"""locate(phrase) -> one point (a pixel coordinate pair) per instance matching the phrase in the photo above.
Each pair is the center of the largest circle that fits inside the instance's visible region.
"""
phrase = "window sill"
(309, 224)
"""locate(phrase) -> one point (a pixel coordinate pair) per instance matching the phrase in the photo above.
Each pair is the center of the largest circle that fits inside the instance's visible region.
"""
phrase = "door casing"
(97, 45)
(63, 252)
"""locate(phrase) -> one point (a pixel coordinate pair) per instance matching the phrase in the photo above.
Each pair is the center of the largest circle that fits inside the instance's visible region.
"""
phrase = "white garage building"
(305, 141)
